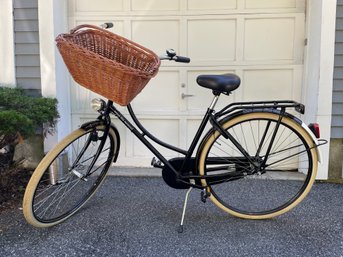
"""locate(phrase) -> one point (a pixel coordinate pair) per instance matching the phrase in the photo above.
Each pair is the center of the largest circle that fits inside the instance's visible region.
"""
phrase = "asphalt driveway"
(140, 217)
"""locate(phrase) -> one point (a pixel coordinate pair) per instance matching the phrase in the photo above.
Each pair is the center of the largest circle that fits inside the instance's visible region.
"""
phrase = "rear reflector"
(314, 127)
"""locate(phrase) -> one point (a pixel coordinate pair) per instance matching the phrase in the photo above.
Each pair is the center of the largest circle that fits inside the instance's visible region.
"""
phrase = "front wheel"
(274, 183)
(68, 176)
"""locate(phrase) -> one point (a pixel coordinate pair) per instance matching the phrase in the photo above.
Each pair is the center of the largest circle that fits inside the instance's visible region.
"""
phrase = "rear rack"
(262, 105)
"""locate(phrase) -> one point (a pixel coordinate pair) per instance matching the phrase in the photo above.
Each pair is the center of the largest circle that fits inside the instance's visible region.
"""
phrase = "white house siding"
(337, 97)
(26, 37)
(336, 144)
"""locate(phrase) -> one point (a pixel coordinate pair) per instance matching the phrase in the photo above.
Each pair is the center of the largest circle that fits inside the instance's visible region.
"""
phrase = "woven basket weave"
(106, 63)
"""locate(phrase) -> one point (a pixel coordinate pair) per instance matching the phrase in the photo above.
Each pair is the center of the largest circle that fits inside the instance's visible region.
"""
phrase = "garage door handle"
(183, 96)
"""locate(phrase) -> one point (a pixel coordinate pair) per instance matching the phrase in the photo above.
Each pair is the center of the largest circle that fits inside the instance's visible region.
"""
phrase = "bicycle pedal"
(204, 195)
(156, 163)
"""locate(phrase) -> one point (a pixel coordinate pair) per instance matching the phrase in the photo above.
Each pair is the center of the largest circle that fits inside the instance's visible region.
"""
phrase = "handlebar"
(176, 58)
(171, 56)
(184, 59)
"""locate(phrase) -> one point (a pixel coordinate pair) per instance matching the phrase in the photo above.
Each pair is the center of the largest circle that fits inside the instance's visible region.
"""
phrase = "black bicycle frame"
(143, 133)
(213, 118)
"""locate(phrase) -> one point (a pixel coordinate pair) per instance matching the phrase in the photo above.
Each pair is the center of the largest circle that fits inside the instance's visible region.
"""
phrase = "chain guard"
(169, 176)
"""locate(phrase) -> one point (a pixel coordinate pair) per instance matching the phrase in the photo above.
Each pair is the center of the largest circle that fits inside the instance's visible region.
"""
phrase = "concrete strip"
(134, 172)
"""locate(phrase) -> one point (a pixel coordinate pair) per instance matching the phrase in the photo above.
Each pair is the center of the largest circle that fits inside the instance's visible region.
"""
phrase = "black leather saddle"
(225, 83)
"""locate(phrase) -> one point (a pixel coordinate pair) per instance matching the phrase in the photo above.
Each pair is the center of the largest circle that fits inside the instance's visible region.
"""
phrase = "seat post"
(214, 101)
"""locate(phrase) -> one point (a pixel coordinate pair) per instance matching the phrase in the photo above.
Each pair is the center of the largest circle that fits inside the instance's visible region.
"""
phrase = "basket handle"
(83, 26)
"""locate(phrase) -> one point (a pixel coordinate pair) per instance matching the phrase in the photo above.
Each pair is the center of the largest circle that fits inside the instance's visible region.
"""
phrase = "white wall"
(7, 67)
(54, 75)
(318, 76)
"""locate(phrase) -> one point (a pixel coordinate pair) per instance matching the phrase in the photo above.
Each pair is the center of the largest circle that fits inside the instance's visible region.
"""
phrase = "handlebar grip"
(107, 25)
(182, 59)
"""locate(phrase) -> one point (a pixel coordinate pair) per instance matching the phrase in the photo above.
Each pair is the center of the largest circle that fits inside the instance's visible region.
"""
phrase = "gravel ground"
(140, 217)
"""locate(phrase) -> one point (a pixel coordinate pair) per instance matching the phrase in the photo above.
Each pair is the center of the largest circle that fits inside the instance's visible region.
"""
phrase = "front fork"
(59, 169)
(93, 137)
(107, 123)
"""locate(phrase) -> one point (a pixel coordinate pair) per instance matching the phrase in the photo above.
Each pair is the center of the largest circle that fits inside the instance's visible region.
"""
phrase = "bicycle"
(257, 161)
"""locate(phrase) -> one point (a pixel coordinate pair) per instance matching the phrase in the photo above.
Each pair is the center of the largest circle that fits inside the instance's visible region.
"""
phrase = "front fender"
(95, 123)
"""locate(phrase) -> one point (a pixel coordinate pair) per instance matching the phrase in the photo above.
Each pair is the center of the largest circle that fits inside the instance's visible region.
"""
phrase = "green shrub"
(21, 115)
(10, 121)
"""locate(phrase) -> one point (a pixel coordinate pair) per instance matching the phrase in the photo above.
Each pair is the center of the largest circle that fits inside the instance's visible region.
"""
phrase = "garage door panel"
(266, 4)
(267, 84)
(212, 5)
(157, 35)
(269, 39)
(161, 94)
(155, 5)
(212, 40)
(98, 6)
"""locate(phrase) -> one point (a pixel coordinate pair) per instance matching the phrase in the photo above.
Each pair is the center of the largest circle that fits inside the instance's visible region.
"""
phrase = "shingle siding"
(337, 98)
(26, 37)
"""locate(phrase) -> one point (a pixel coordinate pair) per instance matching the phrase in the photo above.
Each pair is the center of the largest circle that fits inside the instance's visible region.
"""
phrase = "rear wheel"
(68, 176)
(269, 187)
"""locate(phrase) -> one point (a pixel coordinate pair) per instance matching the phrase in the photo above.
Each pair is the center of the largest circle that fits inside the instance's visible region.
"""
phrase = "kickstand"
(180, 229)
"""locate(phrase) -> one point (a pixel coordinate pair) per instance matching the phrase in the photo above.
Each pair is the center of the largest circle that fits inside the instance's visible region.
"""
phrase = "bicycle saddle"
(219, 83)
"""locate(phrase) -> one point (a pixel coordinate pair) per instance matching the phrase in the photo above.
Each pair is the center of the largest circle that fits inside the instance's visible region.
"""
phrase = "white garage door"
(261, 41)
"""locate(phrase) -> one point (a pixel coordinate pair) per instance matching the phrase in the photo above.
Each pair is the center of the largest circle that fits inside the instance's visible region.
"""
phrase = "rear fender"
(275, 111)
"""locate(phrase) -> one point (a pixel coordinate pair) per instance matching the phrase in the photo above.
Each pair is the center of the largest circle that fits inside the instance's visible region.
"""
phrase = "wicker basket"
(106, 63)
